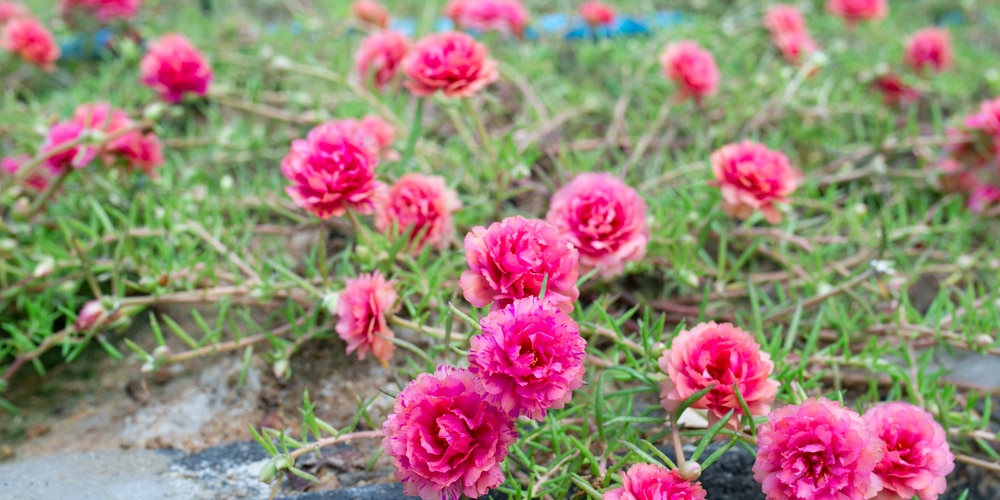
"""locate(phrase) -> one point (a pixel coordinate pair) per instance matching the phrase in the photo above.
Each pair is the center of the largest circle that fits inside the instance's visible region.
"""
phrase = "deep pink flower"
(30, 40)
(929, 48)
(721, 355)
(362, 309)
(331, 172)
(653, 482)
(454, 63)
(604, 219)
(529, 357)
(12, 10)
(371, 131)
(380, 56)
(692, 68)
(854, 11)
(794, 45)
(102, 10)
(421, 206)
(983, 196)
(90, 315)
(895, 92)
(37, 180)
(505, 16)
(513, 258)
(917, 457)
(783, 19)
(596, 13)
(174, 67)
(445, 440)
(818, 449)
(138, 150)
(753, 177)
(371, 12)
(78, 156)
(971, 163)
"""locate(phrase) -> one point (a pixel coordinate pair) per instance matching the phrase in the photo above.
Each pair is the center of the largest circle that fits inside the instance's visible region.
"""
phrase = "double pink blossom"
(514, 258)
(380, 57)
(596, 13)
(854, 11)
(818, 449)
(505, 16)
(452, 63)
(374, 133)
(789, 32)
(102, 10)
(917, 457)
(444, 439)
(12, 10)
(363, 307)
(691, 68)
(723, 356)
(420, 206)
(138, 150)
(331, 172)
(895, 92)
(653, 482)
(77, 156)
(371, 12)
(529, 357)
(929, 48)
(31, 41)
(971, 163)
(753, 177)
(604, 219)
(175, 68)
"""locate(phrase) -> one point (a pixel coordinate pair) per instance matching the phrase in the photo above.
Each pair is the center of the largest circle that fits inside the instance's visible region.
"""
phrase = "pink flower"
(929, 48)
(854, 11)
(529, 357)
(30, 40)
(379, 58)
(453, 63)
(445, 440)
(917, 457)
(818, 449)
(513, 258)
(373, 132)
(505, 16)
(37, 180)
(783, 19)
(140, 151)
(371, 12)
(895, 92)
(652, 482)
(362, 309)
(983, 196)
(78, 156)
(420, 206)
(331, 172)
(692, 68)
(604, 219)
(753, 177)
(91, 314)
(597, 13)
(720, 355)
(174, 67)
(794, 45)
(103, 10)
(12, 10)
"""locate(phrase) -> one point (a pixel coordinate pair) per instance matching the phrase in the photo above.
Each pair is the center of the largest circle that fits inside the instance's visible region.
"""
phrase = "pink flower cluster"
(789, 32)
(596, 13)
(380, 57)
(362, 308)
(971, 163)
(753, 177)
(692, 69)
(854, 11)
(420, 207)
(27, 38)
(929, 48)
(452, 63)
(102, 10)
(175, 68)
(504, 16)
(653, 482)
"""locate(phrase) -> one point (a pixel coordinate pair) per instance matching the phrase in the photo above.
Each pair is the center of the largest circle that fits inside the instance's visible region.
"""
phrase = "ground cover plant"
(761, 226)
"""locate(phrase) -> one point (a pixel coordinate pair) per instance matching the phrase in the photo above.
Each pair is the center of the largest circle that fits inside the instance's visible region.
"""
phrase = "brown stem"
(330, 441)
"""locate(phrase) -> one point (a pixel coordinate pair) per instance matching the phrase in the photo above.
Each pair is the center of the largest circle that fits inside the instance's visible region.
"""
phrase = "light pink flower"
(453, 63)
(90, 315)
(371, 12)
(783, 19)
(929, 48)
(174, 67)
(12, 10)
(380, 57)
(78, 156)
(31, 41)
(138, 150)
(604, 219)
(895, 92)
(445, 440)
(818, 449)
(653, 482)
(362, 309)
(378, 131)
(971, 163)
(753, 177)
(513, 258)
(692, 68)
(596, 13)
(38, 180)
(529, 357)
(917, 457)
(505, 16)
(854, 11)
(420, 206)
(721, 355)
(794, 45)
(102, 10)
(331, 172)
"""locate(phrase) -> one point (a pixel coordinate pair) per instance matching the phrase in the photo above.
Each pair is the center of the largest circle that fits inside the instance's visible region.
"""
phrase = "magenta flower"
(512, 258)
(504, 16)
(380, 57)
(529, 357)
(362, 309)
(784, 18)
(453, 63)
(331, 172)
(102, 10)
(652, 482)
(854, 11)
(604, 219)
(929, 48)
(794, 45)
(37, 180)
(78, 156)
(753, 177)
(174, 67)
(917, 457)
(818, 449)
(895, 92)
(596, 13)
(138, 150)
(720, 355)
(692, 68)
(421, 206)
(31, 41)
(445, 440)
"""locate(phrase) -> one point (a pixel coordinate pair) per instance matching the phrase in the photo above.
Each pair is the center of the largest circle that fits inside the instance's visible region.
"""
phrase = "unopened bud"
(269, 471)
(281, 368)
(690, 471)
(983, 340)
(161, 355)
(44, 268)
(90, 315)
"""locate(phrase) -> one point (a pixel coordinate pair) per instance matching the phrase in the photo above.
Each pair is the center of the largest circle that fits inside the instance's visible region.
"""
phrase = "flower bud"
(91, 314)
(269, 471)
(690, 471)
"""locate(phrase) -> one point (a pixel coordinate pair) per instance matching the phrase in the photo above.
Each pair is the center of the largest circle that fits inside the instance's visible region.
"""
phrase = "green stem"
(49, 191)
(415, 131)
(502, 180)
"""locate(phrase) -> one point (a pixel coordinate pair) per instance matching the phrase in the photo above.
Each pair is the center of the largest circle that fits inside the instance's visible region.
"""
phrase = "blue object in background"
(79, 47)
